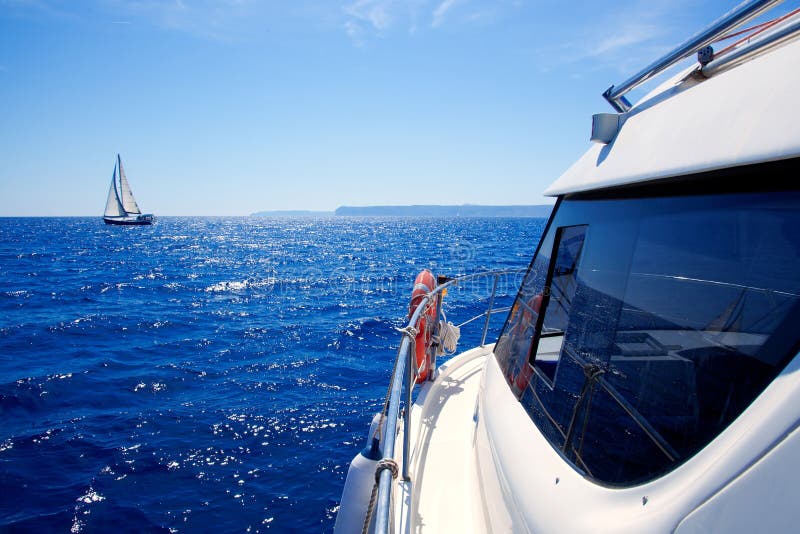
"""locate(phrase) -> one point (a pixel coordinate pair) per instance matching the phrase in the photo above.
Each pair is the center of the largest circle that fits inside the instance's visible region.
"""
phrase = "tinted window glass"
(680, 313)
(513, 347)
(555, 301)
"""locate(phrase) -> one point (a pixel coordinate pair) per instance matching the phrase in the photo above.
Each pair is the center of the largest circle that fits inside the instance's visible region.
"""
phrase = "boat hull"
(139, 220)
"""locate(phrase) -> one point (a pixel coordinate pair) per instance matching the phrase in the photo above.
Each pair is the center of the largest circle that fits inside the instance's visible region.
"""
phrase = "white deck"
(449, 446)
(444, 476)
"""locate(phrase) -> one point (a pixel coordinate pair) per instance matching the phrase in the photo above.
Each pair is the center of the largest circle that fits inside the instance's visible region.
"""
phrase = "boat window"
(554, 303)
(513, 347)
(672, 315)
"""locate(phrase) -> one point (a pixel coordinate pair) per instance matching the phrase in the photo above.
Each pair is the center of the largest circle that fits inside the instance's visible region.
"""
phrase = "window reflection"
(555, 302)
(655, 330)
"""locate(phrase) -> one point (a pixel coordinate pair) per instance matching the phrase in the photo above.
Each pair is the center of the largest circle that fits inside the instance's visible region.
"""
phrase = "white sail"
(126, 195)
(113, 206)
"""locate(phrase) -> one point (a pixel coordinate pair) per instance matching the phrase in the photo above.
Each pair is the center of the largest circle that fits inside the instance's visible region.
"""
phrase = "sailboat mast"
(118, 182)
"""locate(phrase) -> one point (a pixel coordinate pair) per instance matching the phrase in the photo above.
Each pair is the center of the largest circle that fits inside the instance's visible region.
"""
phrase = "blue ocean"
(212, 374)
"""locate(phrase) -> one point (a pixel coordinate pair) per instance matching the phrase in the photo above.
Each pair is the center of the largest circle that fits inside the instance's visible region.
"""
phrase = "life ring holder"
(424, 284)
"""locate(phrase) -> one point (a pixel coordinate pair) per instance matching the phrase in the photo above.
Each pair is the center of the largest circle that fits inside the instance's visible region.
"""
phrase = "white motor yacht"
(647, 376)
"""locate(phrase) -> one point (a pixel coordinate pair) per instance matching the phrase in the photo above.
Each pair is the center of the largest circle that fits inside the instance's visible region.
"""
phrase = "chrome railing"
(404, 378)
(615, 95)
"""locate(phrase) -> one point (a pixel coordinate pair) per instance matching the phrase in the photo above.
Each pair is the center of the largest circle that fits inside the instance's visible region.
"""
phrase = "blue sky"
(226, 107)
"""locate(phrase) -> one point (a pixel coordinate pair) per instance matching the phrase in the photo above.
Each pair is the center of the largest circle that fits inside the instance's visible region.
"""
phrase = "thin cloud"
(613, 40)
(218, 20)
(214, 19)
(33, 8)
(376, 13)
(441, 10)
(627, 36)
(354, 32)
(234, 20)
(366, 18)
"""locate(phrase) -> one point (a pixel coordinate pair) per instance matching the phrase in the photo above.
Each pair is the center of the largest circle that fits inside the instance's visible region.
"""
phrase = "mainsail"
(126, 195)
(113, 206)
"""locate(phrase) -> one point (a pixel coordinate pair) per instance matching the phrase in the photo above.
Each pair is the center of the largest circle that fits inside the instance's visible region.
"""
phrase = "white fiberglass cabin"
(647, 377)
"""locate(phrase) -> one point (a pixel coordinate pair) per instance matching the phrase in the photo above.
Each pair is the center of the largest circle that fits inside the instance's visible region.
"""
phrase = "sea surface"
(212, 374)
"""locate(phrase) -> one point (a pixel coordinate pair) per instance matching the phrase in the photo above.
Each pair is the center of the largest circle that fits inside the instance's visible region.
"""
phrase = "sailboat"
(121, 207)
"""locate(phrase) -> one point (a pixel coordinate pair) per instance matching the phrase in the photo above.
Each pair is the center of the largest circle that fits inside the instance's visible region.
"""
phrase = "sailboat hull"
(130, 220)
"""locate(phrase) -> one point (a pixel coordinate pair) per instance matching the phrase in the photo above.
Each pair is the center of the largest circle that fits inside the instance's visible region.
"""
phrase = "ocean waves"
(209, 374)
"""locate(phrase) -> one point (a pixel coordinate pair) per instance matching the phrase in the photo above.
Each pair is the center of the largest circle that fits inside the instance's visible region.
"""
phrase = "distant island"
(465, 210)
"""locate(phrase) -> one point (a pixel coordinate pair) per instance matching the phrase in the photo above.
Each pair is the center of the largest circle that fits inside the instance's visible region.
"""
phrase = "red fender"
(423, 284)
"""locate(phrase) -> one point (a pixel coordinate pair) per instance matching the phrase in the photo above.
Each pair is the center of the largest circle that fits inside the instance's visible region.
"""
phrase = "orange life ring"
(521, 380)
(526, 317)
(423, 284)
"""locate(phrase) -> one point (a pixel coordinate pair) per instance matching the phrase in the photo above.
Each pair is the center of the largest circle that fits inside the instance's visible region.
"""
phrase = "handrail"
(403, 381)
(483, 314)
(615, 95)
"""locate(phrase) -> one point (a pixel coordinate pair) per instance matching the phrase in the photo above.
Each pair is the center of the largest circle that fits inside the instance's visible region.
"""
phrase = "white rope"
(448, 336)
(409, 331)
